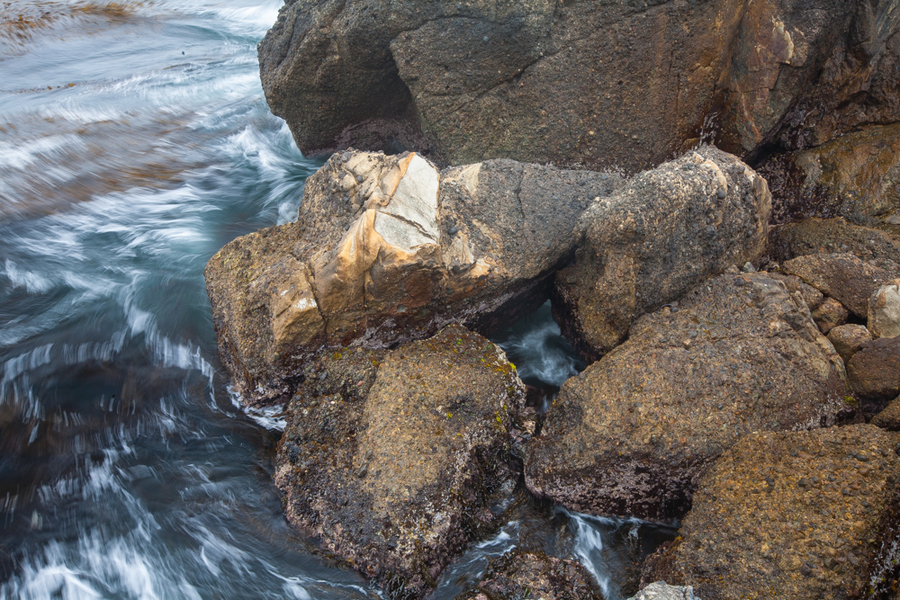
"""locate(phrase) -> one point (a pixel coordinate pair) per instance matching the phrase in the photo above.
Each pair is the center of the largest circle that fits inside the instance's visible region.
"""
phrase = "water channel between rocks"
(134, 143)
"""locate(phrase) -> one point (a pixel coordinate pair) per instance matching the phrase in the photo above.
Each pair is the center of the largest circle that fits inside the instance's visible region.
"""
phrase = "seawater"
(134, 143)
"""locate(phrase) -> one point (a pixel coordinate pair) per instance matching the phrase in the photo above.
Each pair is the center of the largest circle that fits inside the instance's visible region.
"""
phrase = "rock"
(516, 576)
(889, 418)
(600, 84)
(874, 371)
(829, 315)
(660, 591)
(371, 260)
(844, 277)
(400, 476)
(801, 515)
(827, 236)
(632, 434)
(647, 244)
(854, 176)
(810, 295)
(848, 339)
(884, 310)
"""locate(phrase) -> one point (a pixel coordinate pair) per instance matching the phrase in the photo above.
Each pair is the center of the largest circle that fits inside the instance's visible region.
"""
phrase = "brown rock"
(516, 576)
(633, 433)
(844, 277)
(801, 515)
(827, 236)
(889, 418)
(848, 339)
(652, 241)
(884, 310)
(829, 315)
(399, 471)
(810, 295)
(874, 371)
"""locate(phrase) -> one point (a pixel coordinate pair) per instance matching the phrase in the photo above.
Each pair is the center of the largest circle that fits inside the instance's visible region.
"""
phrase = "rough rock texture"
(856, 176)
(667, 230)
(810, 295)
(605, 83)
(884, 310)
(802, 515)
(826, 236)
(518, 576)
(660, 591)
(387, 249)
(399, 476)
(874, 370)
(829, 314)
(889, 418)
(633, 433)
(848, 339)
(844, 277)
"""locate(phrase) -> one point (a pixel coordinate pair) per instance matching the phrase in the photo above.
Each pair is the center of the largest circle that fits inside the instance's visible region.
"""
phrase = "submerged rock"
(800, 515)
(386, 250)
(633, 433)
(398, 474)
(666, 231)
(518, 576)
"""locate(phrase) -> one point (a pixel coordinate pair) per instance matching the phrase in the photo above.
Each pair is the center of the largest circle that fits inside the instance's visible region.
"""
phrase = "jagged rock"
(517, 576)
(844, 277)
(386, 249)
(400, 472)
(874, 370)
(884, 310)
(828, 236)
(800, 515)
(829, 314)
(660, 591)
(848, 339)
(632, 434)
(889, 418)
(647, 244)
(612, 83)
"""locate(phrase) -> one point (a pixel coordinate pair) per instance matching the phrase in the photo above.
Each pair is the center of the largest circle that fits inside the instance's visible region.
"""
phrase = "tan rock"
(829, 314)
(884, 310)
(848, 339)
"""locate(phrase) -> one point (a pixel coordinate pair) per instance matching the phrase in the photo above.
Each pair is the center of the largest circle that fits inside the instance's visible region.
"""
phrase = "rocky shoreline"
(741, 326)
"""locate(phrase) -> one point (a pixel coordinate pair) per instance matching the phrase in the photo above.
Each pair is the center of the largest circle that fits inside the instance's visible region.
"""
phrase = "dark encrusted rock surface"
(633, 433)
(647, 244)
(828, 236)
(800, 515)
(520, 576)
(400, 471)
(874, 370)
(889, 418)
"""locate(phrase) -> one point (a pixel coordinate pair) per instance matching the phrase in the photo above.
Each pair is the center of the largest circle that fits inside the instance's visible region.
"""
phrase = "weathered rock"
(633, 433)
(829, 314)
(874, 370)
(612, 83)
(399, 476)
(884, 310)
(660, 591)
(649, 243)
(844, 277)
(856, 176)
(810, 295)
(828, 236)
(848, 339)
(387, 250)
(889, 418)
(801, 515)
(517, 576)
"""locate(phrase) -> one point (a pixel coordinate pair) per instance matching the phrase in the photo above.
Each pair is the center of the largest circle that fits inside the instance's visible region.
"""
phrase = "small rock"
(848, 339)
(884, 310)
(829, 315)
(661, 591)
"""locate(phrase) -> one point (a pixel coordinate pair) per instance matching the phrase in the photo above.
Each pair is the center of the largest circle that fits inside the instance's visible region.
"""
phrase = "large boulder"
(800, 515)
(598, 83)
(647, 244)
(633, 433)
(388, 249)
(412, 463)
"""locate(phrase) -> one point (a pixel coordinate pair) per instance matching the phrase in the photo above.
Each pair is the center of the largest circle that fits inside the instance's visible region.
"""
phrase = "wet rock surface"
(518, 576)
(401, 469)
(803, 515)
(666, 231)
(386, 250)
(633, 433)
(874, 370)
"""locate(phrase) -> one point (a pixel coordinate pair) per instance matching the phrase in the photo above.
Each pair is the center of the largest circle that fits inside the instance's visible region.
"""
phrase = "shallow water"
(134, 143)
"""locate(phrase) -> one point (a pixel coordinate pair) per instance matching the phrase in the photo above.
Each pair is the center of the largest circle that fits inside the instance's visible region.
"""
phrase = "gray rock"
(661, 591)
(884, 310)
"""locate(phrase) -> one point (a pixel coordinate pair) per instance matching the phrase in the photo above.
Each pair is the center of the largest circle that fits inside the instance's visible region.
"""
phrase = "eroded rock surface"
(398, 475)
(647, 244)
(517, 576)
(848, 339)
(633, 433)
(801, 515)
(659, 590)
(875, 369)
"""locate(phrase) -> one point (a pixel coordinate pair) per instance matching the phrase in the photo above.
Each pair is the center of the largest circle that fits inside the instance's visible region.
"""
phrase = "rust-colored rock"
(800, 515)
(874, 370)
(632, 434)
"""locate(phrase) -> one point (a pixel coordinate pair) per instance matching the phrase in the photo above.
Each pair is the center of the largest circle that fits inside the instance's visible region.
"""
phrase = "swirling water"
(134, 143)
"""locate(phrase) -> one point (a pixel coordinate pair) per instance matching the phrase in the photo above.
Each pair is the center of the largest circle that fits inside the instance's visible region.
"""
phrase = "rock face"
(802, 515)
(667, 230)
(403, 470)
(827, 236)
(633, 433)
(518, 576)
(613, 83)
(387, 249)
(884, 310)
(875, 369)
(889, 418)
